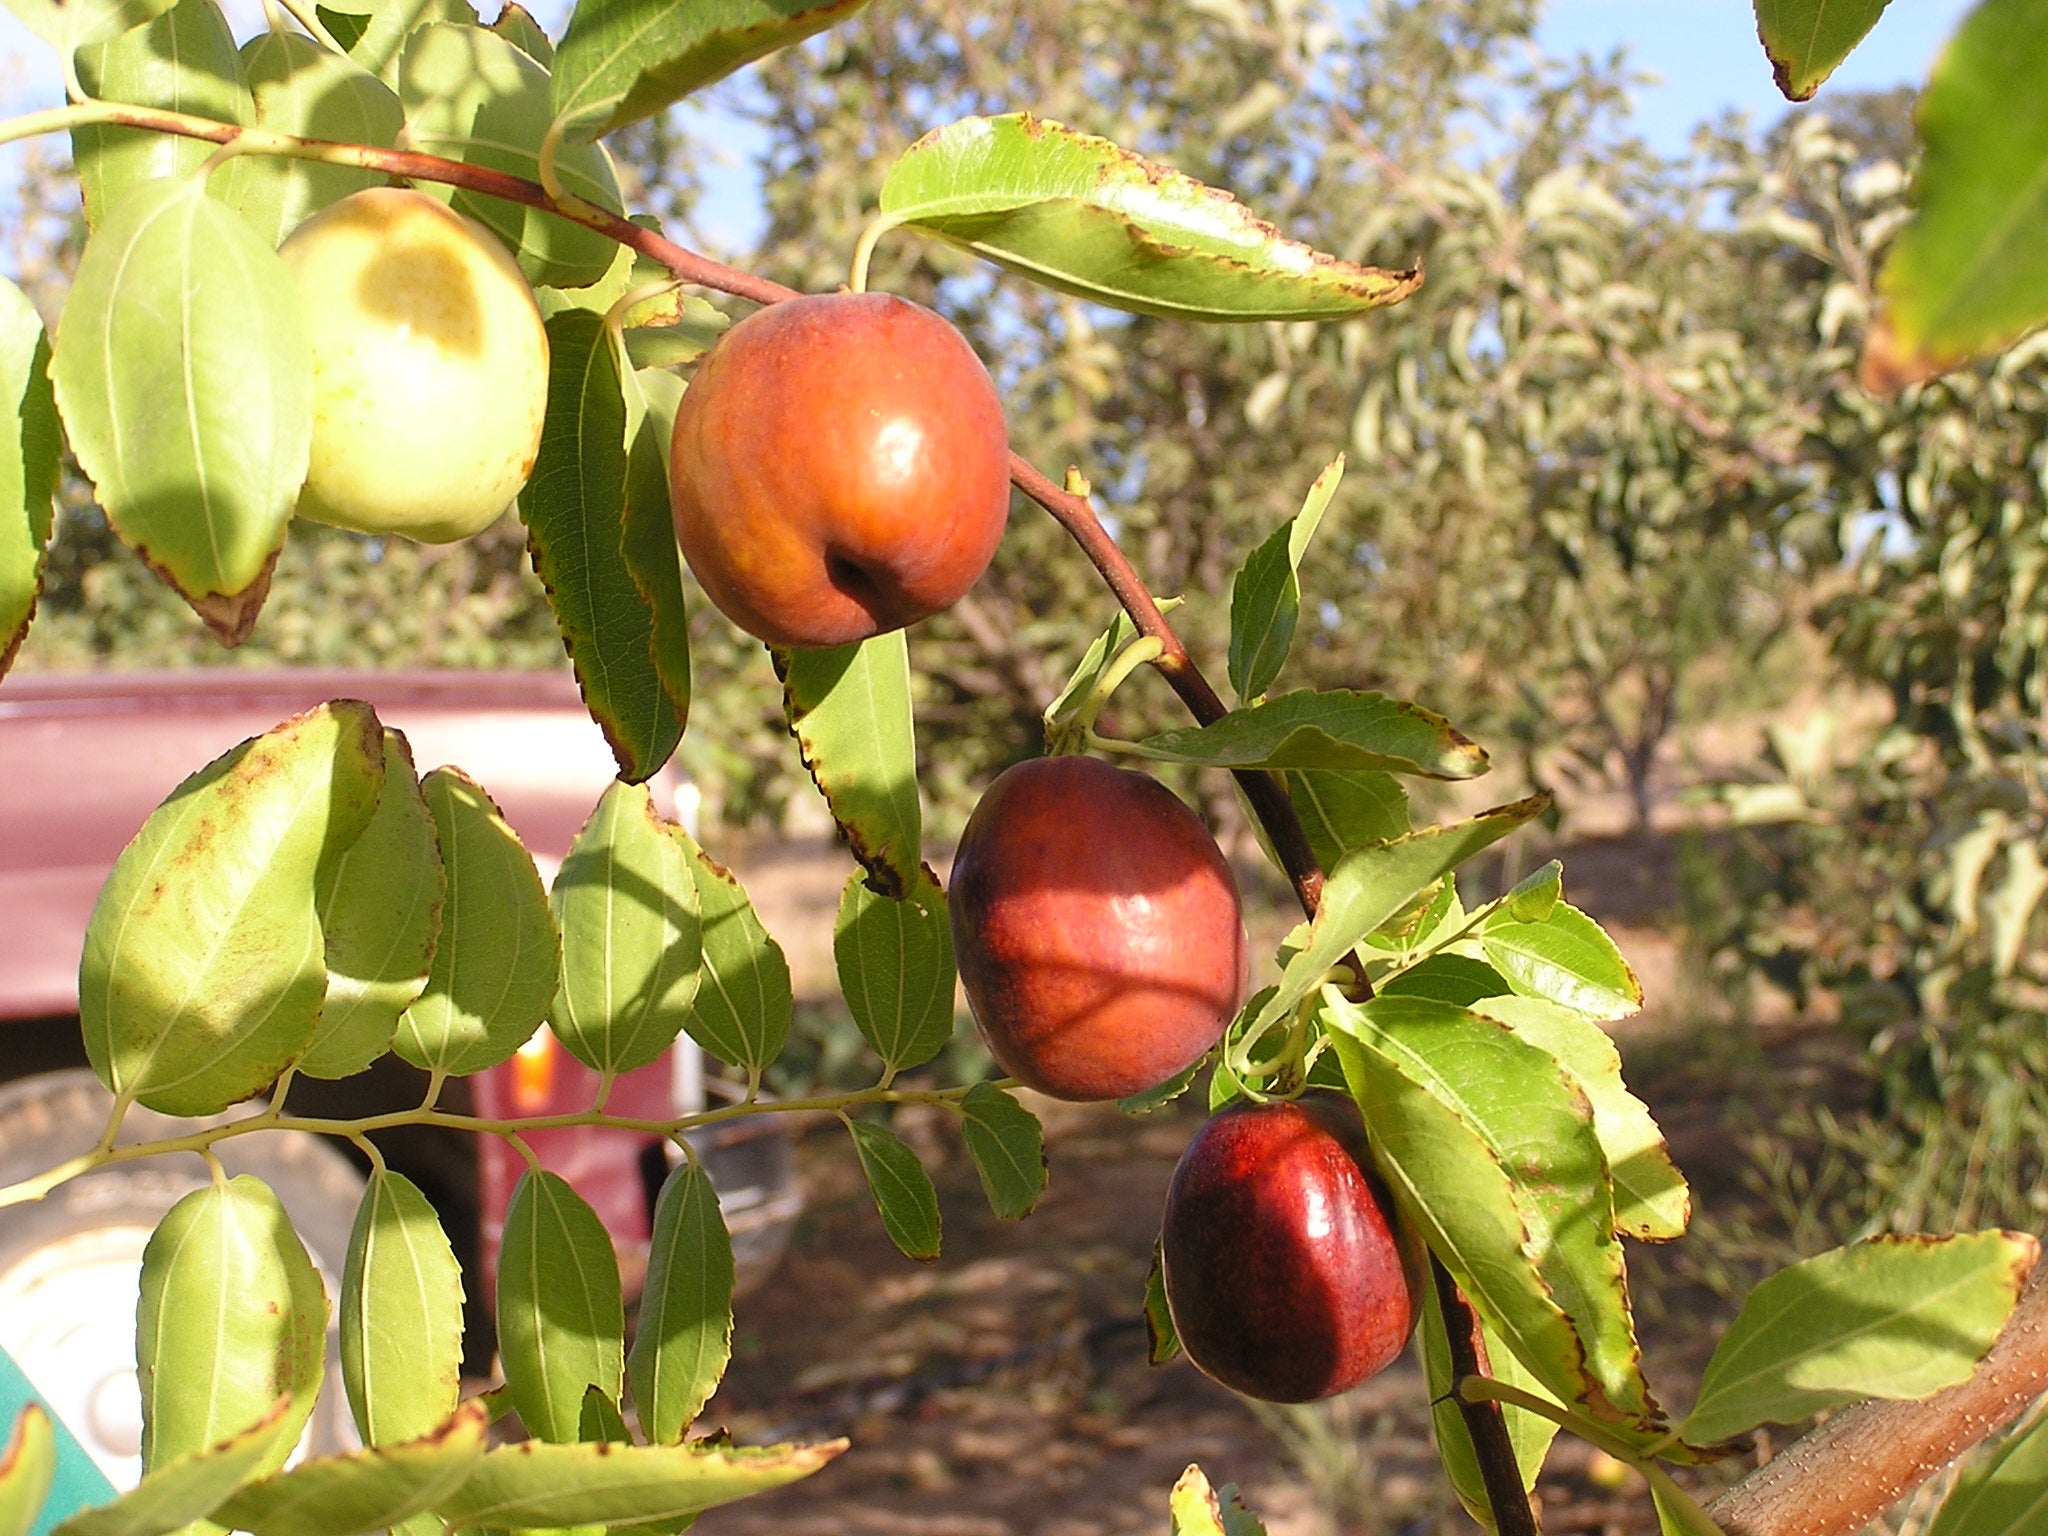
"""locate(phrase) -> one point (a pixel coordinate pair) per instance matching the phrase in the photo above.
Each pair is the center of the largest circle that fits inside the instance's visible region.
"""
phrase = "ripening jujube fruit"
(1098, 929)
(1285, 1273)
(430, 367)
(839, 468)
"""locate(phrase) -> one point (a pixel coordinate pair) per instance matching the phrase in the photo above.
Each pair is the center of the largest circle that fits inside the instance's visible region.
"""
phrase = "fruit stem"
(1146, 648)
(864, 250)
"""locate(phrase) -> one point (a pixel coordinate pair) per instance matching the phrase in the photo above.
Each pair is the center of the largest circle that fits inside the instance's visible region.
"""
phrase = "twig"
(1498, 1469)
(1838, 1478)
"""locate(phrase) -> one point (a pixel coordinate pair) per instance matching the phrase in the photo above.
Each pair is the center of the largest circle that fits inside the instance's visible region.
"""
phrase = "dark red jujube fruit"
(1284, 1272)
(1098, 929)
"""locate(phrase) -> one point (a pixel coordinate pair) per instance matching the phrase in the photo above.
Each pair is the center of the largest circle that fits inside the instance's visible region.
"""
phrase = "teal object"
(79, 1483)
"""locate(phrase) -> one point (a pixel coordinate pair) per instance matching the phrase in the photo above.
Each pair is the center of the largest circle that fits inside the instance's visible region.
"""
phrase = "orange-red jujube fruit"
(1284, 1272)
(839, 468)
(1098, 929)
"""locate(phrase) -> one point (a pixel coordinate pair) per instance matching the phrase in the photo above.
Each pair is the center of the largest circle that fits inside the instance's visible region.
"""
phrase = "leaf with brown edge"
(849, 708)
(1807, 39)
(1085, 216)
(363, 1491)
(29, 450)
(28, 1466)
(539, 1484)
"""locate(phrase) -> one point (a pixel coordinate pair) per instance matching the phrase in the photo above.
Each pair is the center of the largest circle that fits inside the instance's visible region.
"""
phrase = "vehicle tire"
(70, 1264)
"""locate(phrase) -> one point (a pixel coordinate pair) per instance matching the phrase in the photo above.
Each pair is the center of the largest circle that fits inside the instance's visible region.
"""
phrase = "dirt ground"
(1004, 1391)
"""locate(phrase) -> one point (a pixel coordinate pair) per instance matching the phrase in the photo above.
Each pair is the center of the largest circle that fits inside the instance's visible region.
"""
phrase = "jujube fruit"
(430, 367)
(1285, 1276)
(1098, 929)
(839, 468)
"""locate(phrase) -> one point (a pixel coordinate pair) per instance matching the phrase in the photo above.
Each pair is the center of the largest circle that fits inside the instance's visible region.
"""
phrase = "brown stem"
(1838, 1478)
(1513, 1513)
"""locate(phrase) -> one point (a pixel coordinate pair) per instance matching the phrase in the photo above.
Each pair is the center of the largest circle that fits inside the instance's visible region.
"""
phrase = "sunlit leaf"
(895, 962)
(375, 32)
(472, 96)
(1489, 1148)
(902, 1189)
(1969, 273)
(538, 1484)
(401, 1315)
(561, 1320)
(1340, 729)
(29, 450)
(1265, 599)
(300, 88)
(1892, 1317)
(574, 510)
(28, 1466)
(849, 708)
(683, 1337)
(622, 60)
(1343, 809)
(202, 975)
(1806, 39)
(497, 958)
(1565, 958)
(183, 61)
(192, 1486)
(1196, 1509)
(1008, 1147)
(232, 1314)
(626, 903)
(370, 1490)
(185, 380)
(379, 911)
(1082, 215)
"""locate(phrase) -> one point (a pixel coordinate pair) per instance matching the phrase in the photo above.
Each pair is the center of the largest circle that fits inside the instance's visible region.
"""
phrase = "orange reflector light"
(533, 1074)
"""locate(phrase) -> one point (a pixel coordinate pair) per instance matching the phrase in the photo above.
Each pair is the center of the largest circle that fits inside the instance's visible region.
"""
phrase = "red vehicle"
(84, 758)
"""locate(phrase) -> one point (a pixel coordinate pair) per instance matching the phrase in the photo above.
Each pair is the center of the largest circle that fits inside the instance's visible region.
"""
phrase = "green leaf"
(301, 88)
(28, 1466)
(742, 1009)
(1081, 215)
(1265, 599)
(69, 25)
(1340, 728)
(1489, 1147)
(1678, 1513)
(1343, 809)
(497, 957)
(622, 60)
(1529, 1434)
(648, 534)
(1157, 1098)
(1375, 883)
(1806, 39)
(1095, 661)
(183, 61)
(1008, 1147)
(849, 708)
(1651, 1200)
(1456, 979)
(902, 1189)
(626, 904)
(574, 509)
(185, 381)
(472, 96)
(1890, 1317)
(1969, 273)
(601, 1422)
(192, 1486)
(1196, 1509)
(232, 1314)
(401, 1315)
(537, 1484)
(1566, 958)
(378, 914)
(684, 1335)
(30, 447)
(1535, 896)
(2002, 1493)
(895, 962)
(516, 25)
(202, 976)
(375, 32)
(370, 1490)
(1162, 1339)
(561, 1320)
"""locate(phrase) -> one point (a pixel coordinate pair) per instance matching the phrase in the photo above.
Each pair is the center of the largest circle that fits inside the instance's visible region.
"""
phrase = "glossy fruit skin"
(1284, 1272)
(840, 468)
(430, 367)
(1097, 927)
